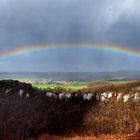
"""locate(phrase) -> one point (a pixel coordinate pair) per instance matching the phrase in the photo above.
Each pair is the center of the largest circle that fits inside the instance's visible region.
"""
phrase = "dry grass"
(107, 137)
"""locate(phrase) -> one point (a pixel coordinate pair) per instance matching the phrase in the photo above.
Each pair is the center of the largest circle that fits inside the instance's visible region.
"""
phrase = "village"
(47, 81)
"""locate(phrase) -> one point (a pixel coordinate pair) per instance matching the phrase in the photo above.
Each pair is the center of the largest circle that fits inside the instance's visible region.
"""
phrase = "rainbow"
(112, 48)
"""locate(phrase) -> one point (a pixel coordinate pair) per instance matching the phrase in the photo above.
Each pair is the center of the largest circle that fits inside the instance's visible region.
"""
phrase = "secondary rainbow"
(112, 48)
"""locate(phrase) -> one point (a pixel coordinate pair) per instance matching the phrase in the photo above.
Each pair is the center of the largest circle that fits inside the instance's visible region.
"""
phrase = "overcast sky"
(30, 22)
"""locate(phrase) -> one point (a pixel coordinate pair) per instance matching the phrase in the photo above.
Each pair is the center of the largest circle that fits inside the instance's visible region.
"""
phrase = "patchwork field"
(79, 85)
(73, 85)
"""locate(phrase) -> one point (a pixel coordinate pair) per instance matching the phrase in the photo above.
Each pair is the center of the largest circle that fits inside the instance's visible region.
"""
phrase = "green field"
(73, 85)
(79, 85)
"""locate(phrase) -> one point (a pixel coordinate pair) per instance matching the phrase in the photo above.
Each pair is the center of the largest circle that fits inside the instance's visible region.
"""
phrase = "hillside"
(72, 76)
(28, 113)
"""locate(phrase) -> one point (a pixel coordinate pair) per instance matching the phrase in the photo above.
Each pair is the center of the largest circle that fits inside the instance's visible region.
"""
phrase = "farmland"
(79, 85)
(73, 85)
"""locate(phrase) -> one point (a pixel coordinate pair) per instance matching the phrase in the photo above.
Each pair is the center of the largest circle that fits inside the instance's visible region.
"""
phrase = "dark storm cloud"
(125, 33)
(39, 21)
(43, 21)
(30, 22)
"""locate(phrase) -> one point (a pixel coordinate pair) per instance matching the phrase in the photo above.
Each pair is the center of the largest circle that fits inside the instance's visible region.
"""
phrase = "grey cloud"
(125, 33)
(27, 22)
(43, 21)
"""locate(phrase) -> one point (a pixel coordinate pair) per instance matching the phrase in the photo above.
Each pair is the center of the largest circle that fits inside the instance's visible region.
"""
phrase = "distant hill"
(72, 76)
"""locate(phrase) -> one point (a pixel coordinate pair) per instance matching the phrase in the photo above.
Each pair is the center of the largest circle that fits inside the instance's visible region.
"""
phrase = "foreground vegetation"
(23, 117)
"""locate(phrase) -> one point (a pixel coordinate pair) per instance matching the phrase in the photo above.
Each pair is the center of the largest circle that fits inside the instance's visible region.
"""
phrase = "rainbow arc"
(112, 48)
